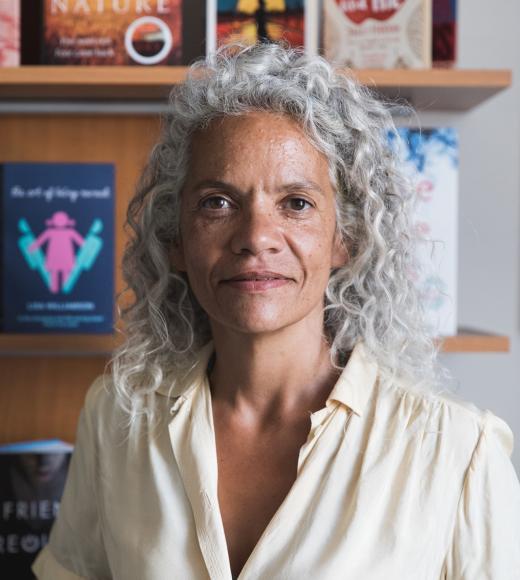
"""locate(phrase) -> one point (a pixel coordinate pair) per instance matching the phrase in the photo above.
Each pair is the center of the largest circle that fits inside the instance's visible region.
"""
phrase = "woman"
(277, 410)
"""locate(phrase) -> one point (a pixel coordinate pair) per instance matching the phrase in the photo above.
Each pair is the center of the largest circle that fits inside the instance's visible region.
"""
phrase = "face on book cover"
(258, 224)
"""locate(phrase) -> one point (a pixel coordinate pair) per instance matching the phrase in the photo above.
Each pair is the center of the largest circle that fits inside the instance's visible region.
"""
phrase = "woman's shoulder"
(487, 423)
(109, 416)
(102, 412)
(100, 396)
(460, 420)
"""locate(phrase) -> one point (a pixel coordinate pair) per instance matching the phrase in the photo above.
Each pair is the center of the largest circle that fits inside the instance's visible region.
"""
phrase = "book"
(10, 32)
(294, 22)
(31, 31)
(32, 479)
(112, 32)
(430, 159)
(378, 33)
(57, 247)
(444, 40)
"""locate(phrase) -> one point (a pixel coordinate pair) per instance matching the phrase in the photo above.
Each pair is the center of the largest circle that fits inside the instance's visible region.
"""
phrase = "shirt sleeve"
(486, 539)
(75, 549)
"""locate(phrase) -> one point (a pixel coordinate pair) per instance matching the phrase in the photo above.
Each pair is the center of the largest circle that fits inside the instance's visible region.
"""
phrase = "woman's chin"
(254, 323)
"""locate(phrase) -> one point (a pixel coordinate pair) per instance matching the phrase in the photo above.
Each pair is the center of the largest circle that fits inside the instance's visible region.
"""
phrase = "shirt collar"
(184, 382)
(356, 382)
(352, 389)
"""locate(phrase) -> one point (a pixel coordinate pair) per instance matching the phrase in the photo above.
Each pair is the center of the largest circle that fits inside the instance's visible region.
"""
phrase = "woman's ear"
(340, 255)
(177, 257)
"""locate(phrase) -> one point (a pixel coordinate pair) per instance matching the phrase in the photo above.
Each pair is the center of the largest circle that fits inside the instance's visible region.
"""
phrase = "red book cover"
(444, 37)
(9, 33)
(112, 32)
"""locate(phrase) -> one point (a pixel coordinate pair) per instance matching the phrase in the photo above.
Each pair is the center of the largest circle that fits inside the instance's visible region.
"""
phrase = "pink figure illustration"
(60, 256)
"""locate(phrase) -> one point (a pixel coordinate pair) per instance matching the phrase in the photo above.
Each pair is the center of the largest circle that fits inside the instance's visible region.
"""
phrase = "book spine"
(2, 229)
(444, 32)
(211, 26)
(193, 31)
(311, 26)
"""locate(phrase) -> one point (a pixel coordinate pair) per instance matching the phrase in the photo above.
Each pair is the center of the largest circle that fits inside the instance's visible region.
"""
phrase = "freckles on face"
(257, 223)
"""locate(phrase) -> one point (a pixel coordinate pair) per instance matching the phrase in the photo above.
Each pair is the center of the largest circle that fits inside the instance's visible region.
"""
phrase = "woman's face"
(257, 224)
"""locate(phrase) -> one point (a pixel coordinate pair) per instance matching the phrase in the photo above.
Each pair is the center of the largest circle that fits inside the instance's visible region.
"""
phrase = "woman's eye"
(215, 202)
(298, 203)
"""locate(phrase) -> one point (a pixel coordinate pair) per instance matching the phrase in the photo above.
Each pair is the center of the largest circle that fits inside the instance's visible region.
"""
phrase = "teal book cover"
(57, 247)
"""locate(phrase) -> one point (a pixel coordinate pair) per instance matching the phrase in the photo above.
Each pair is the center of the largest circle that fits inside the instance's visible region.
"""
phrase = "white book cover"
(294, 21)
(383, 34)
(430, 158)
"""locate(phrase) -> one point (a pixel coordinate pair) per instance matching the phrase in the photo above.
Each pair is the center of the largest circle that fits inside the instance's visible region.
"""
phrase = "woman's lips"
(256, 281)
(256, 285)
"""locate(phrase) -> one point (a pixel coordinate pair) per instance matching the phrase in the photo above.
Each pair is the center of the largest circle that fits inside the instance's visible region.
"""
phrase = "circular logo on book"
(148, 40)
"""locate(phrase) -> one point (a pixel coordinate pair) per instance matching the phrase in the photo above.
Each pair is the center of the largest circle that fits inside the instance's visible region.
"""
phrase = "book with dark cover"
(57, 247)
(112, 32)
(32, 30)
(444, 34)
(32, 478)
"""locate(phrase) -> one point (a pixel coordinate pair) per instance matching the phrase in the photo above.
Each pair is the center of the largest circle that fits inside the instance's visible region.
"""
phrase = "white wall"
(489, 222)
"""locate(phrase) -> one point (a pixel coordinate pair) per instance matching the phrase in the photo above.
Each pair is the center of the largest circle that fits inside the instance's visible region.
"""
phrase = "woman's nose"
(256, 231)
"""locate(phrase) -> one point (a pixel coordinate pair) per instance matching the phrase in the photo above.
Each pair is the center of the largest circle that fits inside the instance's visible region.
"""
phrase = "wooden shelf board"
(92, 345)
(440, 78)
(475, 341)
(452, 89)
(57, 344)
(437, 89)
(93, 82)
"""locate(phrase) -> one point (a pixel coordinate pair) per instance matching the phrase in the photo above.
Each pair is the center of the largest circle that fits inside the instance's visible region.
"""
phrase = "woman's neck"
(268, 378)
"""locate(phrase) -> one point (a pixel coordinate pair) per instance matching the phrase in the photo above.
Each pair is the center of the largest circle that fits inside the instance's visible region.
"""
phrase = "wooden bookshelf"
(436, 89)
(41, 396)
(45, 377)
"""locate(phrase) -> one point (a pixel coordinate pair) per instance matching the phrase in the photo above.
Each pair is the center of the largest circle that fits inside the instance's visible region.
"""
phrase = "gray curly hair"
(371, 299)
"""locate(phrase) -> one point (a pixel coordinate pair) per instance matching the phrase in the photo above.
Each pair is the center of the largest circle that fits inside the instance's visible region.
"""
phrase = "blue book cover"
(58, 247)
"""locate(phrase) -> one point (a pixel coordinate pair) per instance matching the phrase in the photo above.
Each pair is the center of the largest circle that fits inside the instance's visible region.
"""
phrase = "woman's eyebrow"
(294, 186)
(216, 184)
(305, 185)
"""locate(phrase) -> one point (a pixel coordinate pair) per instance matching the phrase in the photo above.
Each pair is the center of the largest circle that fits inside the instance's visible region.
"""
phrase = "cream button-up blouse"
(390, 486)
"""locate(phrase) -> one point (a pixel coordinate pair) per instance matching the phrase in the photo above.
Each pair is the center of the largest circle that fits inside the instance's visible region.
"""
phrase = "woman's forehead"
(257, 142)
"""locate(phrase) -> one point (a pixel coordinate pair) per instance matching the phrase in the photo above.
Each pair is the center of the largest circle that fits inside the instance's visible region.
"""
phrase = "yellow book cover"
(249, 21)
